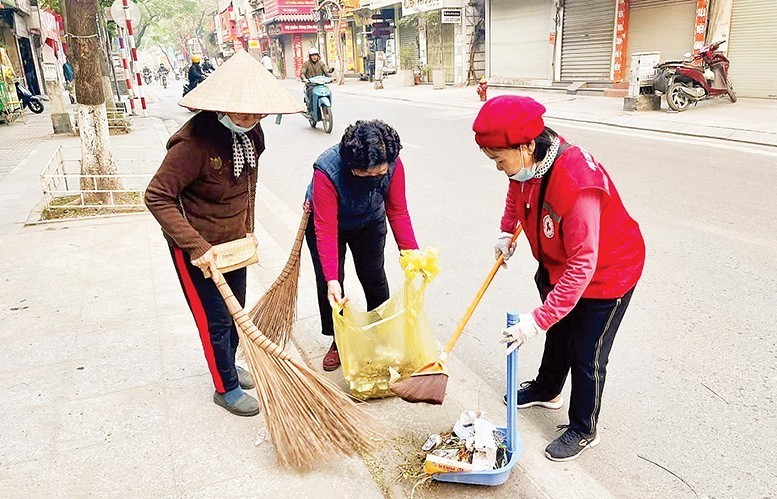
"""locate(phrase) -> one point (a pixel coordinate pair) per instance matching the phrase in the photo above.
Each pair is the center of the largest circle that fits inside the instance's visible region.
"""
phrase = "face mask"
(224, 120)
(524, 173)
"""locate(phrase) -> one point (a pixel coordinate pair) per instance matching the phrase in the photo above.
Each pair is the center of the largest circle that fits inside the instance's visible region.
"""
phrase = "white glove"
(520, 333)
(504, 246)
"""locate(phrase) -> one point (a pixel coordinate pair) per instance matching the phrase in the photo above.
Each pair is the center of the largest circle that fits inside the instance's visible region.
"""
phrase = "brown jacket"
(197, 174)
(311, 69)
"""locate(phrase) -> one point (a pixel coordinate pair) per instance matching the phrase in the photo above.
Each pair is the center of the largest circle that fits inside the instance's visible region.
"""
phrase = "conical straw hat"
(242, 85)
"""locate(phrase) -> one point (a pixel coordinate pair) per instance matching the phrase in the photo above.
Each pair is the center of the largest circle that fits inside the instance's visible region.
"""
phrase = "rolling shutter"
(587, 40)
(519, 38)
(408, 45)
(752, 46)
(665, 26)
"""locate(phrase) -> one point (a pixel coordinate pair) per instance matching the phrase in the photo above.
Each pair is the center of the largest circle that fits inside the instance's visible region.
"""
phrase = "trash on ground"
(261, 436)
(473, 444)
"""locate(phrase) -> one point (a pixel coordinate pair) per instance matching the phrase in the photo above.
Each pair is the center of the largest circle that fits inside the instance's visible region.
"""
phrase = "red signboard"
(621, 42)
(274, 8)
(700, 25)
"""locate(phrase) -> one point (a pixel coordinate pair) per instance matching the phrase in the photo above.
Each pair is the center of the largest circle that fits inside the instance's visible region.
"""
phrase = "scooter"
(321, 107)
(163, 78)
(32, 102)
(147, 76)
(697, 77)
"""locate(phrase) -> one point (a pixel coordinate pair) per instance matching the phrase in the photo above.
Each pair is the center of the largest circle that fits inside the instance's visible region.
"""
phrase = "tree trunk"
(96, 155)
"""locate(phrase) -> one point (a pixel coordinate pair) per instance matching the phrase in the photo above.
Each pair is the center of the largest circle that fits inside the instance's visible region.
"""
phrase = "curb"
(551, 116)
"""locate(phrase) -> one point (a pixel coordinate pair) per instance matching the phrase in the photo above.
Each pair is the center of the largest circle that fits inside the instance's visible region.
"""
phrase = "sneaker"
(245, 379)
(237, 402)
(570, 445)
(530, 394)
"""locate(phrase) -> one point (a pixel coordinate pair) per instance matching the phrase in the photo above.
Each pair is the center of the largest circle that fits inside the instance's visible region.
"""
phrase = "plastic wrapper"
(392, 341)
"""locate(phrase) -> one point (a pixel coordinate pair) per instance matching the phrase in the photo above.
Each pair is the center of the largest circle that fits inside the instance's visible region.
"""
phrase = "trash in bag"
(394, 340)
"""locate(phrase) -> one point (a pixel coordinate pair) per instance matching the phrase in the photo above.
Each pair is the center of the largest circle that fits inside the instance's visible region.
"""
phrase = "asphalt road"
(690, 406)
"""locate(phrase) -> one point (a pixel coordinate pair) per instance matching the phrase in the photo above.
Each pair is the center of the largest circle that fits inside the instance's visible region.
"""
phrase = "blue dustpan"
(513, 438)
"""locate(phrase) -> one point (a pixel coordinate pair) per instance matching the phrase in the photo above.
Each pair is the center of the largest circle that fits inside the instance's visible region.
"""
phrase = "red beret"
(508, 120)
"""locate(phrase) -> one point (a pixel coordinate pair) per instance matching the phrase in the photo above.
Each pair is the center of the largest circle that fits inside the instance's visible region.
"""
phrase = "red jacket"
(602, 265)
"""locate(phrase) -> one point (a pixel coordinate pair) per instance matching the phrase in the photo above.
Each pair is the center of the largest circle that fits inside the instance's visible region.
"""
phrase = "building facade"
(556, 42)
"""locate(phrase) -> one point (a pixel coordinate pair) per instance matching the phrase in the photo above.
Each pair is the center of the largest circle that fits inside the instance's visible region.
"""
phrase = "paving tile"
(125, 414)
(140, 466)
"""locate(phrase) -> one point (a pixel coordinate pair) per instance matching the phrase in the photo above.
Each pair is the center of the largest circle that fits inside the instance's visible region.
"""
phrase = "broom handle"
(478, 297)
(241, 318)
(295, 251)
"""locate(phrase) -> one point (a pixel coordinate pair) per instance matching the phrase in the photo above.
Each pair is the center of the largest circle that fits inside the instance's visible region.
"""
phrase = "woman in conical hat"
(203, 195)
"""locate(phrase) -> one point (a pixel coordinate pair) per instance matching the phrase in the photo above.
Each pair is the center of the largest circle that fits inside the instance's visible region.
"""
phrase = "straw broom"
(276, 311)
(310, 420)
(428, 383)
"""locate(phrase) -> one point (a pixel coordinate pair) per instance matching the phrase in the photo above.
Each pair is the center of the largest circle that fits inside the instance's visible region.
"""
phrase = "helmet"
(195, 59)
(312, 51)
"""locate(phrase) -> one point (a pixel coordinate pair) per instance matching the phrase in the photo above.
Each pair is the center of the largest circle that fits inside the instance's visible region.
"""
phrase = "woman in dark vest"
(591, 254)
(357, 184)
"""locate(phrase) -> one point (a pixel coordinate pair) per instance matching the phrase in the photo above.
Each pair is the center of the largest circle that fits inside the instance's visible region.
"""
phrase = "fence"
(62, 180)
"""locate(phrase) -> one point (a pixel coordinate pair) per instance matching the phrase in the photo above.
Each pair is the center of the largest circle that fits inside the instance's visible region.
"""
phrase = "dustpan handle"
(241, 318)
(512, 390)
(482, 291)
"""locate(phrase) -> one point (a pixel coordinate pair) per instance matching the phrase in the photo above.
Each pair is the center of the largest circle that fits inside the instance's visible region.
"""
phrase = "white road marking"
(611, 129)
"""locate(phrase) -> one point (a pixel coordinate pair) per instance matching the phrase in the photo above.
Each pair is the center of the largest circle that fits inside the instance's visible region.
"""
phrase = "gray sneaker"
(245, 379)
(570, 445)
(246, 405)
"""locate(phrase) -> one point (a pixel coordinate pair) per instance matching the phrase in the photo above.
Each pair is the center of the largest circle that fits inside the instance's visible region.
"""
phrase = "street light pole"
(330, 5)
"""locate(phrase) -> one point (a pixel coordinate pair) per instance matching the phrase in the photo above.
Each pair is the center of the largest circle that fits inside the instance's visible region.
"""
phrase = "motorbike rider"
(147, 74)
(162, 69)
(207, 67)
(195, 73)
(313, 67)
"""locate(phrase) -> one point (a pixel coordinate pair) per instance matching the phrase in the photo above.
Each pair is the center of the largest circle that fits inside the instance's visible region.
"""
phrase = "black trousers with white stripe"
(581, 343)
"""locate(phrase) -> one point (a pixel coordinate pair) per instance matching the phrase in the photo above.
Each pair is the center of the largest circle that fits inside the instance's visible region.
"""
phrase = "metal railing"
(65, 187)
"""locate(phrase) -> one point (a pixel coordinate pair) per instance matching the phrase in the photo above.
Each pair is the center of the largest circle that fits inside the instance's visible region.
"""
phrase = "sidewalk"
(104, 386)
(106, 392)
(748, 120)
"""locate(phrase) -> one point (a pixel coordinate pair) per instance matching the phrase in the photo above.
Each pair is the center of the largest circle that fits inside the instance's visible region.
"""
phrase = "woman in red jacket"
(590, 253)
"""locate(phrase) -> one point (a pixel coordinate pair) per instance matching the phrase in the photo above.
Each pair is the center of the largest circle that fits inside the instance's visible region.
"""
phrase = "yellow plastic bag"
(392, 341)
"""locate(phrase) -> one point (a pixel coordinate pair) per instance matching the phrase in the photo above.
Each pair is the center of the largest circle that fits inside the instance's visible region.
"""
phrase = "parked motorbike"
(321, 107)
(697, 77)
(32, 102)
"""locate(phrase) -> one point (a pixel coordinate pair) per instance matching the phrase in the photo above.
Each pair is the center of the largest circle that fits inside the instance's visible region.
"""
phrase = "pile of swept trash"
(474, 444)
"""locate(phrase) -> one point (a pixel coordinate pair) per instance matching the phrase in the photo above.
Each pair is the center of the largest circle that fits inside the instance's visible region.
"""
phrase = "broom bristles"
(310, 420)
(428, 388)
(276, 311)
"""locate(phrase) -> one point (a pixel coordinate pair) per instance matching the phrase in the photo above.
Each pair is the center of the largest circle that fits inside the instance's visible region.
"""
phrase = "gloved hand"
(520, 333)
(504, 246)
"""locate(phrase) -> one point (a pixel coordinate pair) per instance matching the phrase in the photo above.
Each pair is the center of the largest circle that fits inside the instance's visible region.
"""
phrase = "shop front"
(587, 41)
(752, 45)
(522, 37)
(665, 26)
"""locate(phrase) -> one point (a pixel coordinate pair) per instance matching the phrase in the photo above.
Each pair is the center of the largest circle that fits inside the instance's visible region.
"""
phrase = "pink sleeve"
(396, 210)
(581, 242)
(325, 220)
(510, 218)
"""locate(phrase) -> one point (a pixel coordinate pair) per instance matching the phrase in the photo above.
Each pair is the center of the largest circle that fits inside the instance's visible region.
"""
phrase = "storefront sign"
(253, 44)
(274, 8)
(621, 42)
(416, 6)
(702, 13)
(301, 27)
(296, 48)
(450, 16)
